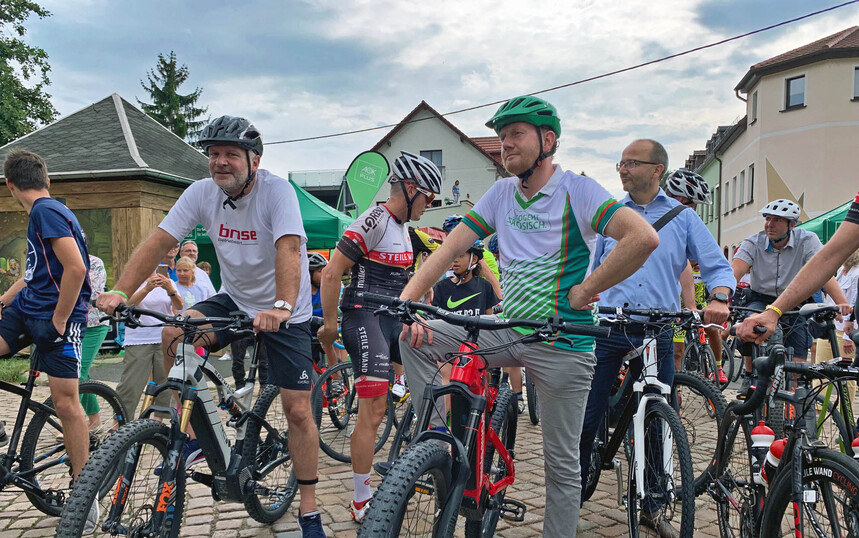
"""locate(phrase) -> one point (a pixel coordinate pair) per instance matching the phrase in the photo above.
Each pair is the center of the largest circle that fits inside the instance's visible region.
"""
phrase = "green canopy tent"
(323, 225)
(825, 225)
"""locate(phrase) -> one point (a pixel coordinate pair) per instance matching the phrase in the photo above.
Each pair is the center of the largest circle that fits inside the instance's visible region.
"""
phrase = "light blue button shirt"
(656, 284)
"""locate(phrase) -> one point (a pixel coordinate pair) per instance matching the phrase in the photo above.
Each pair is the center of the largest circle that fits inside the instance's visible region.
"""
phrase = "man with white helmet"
(378, 251)
(773, 258)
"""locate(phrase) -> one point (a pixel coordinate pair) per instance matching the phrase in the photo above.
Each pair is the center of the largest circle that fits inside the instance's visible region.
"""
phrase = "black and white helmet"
(689, 184)
(421, 170)
(315, 261)
(782, 208)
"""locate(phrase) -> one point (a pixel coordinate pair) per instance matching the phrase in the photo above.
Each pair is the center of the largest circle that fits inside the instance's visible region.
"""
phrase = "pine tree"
(171, 109)
(23, 107)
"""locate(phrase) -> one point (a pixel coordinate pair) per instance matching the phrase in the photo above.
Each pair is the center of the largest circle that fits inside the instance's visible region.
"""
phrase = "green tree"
(24, 105)
(175, 111)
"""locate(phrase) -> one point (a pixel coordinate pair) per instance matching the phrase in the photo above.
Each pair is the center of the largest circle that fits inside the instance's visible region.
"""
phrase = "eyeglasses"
(630, 164)
(430, 196)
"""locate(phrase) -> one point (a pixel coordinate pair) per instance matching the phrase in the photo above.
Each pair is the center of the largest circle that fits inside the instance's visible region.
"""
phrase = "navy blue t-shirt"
(49, 219)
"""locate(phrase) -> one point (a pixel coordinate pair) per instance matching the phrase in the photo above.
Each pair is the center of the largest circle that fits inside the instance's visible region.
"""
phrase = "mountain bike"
(467, 469)
(698, 357)
(660, 477)
(147, 498)
(812, 490)
(42, 468)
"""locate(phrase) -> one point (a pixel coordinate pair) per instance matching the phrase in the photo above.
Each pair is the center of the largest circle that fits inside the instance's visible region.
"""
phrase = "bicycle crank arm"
(618, 469)
(512, 510)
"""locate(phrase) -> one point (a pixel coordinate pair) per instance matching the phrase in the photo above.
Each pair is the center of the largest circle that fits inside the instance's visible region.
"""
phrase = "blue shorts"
(57, 355)
(288, 350)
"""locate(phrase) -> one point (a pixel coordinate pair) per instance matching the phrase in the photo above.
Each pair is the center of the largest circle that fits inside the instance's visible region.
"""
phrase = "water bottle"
(773, 458)
(856, 448)
(762, 438)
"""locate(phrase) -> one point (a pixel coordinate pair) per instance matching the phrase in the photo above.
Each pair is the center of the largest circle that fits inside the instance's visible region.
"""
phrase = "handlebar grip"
(380, 299)
(585, 330)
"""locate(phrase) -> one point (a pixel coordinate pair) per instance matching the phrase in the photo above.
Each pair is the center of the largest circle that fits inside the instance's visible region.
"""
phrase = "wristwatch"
(280, 304)
(721, 297)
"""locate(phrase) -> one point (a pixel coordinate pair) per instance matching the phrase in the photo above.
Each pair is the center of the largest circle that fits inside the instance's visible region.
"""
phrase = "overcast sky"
(302, 68)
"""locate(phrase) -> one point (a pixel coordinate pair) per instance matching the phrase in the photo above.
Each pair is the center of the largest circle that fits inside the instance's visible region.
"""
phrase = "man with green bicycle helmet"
(548, 220)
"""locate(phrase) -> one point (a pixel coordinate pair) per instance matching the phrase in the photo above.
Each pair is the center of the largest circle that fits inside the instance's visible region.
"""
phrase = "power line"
(582, 81)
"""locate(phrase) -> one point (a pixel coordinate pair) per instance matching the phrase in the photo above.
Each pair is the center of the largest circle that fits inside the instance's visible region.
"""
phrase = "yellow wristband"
(119, 292)
(775, 309)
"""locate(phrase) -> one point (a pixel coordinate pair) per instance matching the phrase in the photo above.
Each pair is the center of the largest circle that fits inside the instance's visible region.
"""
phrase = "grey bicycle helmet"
(421, 170)
(689, 184)
(231, 131)
(316, 261)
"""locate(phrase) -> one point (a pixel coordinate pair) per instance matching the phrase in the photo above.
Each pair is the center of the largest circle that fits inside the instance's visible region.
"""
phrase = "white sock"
(362, 487)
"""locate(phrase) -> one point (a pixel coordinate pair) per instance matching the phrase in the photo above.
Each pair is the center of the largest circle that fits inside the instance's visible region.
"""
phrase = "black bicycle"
(147, 498)
(42, 468)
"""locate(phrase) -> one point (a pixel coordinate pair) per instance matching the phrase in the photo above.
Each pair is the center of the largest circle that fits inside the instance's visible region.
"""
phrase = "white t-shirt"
(192, 294)
(244, 238)
(156, 300)
(203, 280)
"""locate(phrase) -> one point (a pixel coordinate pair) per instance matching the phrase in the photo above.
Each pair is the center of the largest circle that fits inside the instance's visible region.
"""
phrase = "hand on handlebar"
(415, 333)
(767, 319)
(107, 302)
(271, 320)
(716, 312)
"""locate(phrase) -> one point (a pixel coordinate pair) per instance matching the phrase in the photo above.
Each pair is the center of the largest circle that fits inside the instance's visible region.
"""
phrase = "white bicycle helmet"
(689, 184)
(421, 170)
(782, 208)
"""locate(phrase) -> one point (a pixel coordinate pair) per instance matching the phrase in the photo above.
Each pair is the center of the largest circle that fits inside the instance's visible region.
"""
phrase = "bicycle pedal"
(511, 510)
(382, 467)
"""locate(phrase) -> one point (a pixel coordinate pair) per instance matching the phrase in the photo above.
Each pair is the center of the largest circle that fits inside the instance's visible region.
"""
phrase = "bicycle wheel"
(734, 490)
(730, 352)
(830, 505)
(144, 443)
(533, 402)
(335, 432)
(411, 497)
(504, 422)
(43, 445)
(692, 358)
(266, 452)
(727, 367)
(669, 486)
(701, 407)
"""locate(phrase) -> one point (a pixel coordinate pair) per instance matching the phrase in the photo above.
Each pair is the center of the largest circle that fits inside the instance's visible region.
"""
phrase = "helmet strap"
(524, 176)
(460, 278)
(230, 198)
(409, 201)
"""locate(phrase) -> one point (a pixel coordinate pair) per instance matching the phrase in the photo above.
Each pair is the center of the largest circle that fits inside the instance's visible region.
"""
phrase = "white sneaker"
(399, 391)
(226, 357)
(92, 518)
(359, 510)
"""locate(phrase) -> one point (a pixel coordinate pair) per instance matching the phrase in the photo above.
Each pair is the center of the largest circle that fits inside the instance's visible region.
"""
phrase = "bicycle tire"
(829, 471)
(335, 435)
(834, 431)
(424, 469)
(266, 453)
(700, 406)
(43, 439)
(691, 360)
(732, 354)
(533, 401)
(152, 438)
(674, 491)
(734, 490)
(504, 421)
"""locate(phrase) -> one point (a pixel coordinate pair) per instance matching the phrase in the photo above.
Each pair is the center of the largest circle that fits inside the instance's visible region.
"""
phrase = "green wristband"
(119, 292)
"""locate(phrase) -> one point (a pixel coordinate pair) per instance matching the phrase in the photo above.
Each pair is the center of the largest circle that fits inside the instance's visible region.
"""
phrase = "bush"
(11, 370)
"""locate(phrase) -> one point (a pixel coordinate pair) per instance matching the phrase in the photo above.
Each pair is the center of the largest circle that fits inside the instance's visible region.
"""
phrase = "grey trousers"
(141, 360)
(563, 380)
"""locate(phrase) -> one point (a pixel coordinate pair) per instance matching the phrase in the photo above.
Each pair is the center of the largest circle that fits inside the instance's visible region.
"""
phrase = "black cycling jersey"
(853, 213)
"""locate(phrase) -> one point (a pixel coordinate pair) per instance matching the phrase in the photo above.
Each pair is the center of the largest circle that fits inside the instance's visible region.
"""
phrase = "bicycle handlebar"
(130, 315)
(401, 309)
(764, 366)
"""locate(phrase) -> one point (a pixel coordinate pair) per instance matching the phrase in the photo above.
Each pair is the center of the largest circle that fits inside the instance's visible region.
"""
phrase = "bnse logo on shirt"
(237, 235)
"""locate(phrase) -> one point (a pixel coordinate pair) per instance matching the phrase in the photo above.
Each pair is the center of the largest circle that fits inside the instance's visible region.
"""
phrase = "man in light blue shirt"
(655, 285)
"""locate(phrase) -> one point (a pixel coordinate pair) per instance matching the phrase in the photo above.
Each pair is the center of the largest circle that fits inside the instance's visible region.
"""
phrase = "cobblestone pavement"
(601, 517)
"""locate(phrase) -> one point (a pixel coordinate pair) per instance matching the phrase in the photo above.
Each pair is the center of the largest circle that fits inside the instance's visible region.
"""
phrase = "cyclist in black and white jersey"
(378, 251)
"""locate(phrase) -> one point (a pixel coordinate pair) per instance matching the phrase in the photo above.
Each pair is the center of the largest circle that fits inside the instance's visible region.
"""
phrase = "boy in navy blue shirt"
(47, 307)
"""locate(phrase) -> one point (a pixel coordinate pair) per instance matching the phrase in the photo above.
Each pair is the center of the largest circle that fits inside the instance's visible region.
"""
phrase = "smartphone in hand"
(162, 270)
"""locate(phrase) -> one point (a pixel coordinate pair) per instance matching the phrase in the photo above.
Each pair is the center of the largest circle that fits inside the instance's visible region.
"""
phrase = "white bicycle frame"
(650, 370)
(190, 368)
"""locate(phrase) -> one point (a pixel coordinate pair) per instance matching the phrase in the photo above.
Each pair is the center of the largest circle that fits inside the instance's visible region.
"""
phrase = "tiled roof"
(489, 144)
(843, 44)
(112, 137)
(423, 105)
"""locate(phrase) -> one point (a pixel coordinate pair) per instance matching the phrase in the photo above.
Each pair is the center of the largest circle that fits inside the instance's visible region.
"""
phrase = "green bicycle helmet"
(529, 109)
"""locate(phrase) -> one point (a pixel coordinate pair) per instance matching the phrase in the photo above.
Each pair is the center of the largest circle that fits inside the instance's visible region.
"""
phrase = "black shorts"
(372, 343)
(288, 350)
(58, 355)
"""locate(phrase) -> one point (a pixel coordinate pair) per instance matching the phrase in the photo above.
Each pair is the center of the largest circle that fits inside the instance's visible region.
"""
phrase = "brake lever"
(400, 312)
